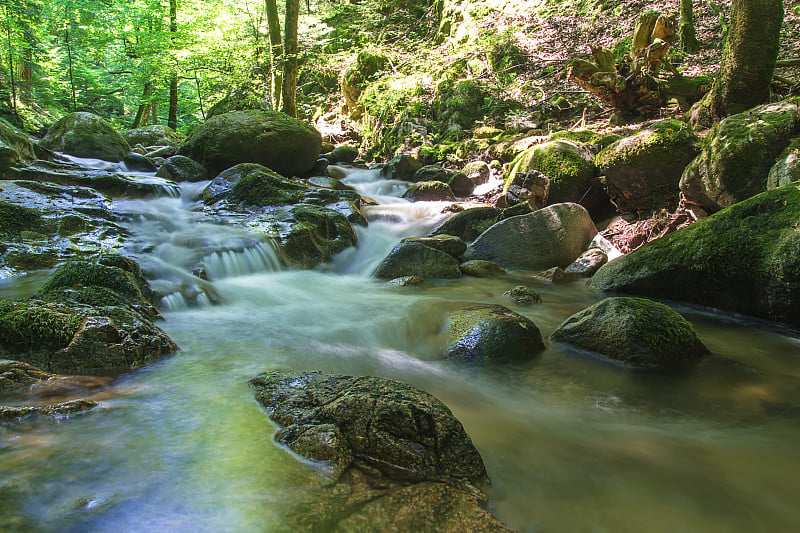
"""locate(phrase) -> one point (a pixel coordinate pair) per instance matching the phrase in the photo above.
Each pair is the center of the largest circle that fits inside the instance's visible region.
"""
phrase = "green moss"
(15, 218)
(570, 173)
(587, 137)
(265, 189)
(668, 137)
(81, 275)
(31, 326)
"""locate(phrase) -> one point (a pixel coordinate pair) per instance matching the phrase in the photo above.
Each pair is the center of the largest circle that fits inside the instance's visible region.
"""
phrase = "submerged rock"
(15, 375)
(277, 141)
(401, 461)
(744, 259)
(483, 333)
(523, 295)
(15, 413)
(553, 236)
(738, 154)
(481, 269)
(635, 331)
(86, 135)
(415, 259)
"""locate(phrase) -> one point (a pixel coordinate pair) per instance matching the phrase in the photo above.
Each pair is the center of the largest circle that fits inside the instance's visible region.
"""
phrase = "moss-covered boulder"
(401, 167)
(738, 154)
(246, 97)
(252, 184)
(154, 135)
(16, 218)
(415, 259)
(484, 333)
(570, 168)
(468, 224)
(640, 333)
(400, 460)
(745, 258)
(357, 76)
(477, 171)
(787, 168)
(14, 146)
(431, 173)
(181, 168)
(86, 135)
(308, 234)
(344, 154)
(642, 172)
(553, 236)
(523, 295)
(277, 141)
(429, 191)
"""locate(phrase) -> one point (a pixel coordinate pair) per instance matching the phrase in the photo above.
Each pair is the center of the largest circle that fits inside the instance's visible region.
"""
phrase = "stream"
(570, 442)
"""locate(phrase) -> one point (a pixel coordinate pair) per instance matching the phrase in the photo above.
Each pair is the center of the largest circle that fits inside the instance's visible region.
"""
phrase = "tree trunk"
(199, 95)
(71, 78)
(11, 63)
(172, 115)
(686, 29)
(143, 112)
(275, 53)
(749, 57)
(288, 92)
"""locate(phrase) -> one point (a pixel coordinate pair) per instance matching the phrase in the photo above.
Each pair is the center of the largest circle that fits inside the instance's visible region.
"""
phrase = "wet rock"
(415, 259)
(16, 413)
(429, 191)
(446, 243)
(642, 172)
(481, 269)
(524, 295)
(483, 333)
(738, 154)
(558, 275)
(401, 167)
(431, 173)
(588, 263)
(181, 168)
(277, 141)
(553, 236)
(252, 184)
(308, 234)
(345, 154)
(460, 184)
(531, 186)
(329, 183)
(15, 375)
(401, 461)
(477, 171)
(406, 281)
(86, 135)
(522, 208)
(138, 163)
(635, 331)
(468, 224)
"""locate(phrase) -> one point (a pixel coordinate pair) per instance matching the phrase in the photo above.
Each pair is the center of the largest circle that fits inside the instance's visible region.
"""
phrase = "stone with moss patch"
(182, 168)
(415, 259)
(642, 172)
(745, 259)
(787, 168)
(738, 154)
(252, 184)
(154, 135)
(429, 191)
(86, 135)
(468, 224)
(277, 141)
(484, 333)
(569, 167)
(16, 218)
(14, 146)
(640, 333)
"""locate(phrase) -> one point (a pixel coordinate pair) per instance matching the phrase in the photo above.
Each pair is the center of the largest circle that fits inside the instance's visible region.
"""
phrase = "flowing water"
(570, 442)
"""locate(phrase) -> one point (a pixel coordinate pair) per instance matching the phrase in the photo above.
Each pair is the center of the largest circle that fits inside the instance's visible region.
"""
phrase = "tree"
(172, 115)
(686, 31)
(283, 59)
(748, 60)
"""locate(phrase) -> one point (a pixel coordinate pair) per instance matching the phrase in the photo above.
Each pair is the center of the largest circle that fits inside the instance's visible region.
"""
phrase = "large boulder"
(745, 259)
(638, 332)
(553, 236)
(413, 258)
(484, 333)
(308, 234)
(277, 141)
(401, 167)
(738, 154)
(400, 460)
(569, 167)
(642, 172)
(154, 135)
(14, 146)
(86, 135)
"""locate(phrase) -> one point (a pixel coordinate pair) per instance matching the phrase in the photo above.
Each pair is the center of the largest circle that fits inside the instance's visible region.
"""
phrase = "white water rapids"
(570, 442)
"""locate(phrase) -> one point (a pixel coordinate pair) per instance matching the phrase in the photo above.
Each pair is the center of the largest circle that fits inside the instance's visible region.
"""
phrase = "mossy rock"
(484, 333)
(787, 168)
(571, 171)
(738, 154)
(481, 269)
(642, 172)
(252, 184)
(272, 139)
(86, 135)
(596, 141)
(247, 97)
(460, 104)
(309, 235)
(357, 76)
(15, 375)
(15, 218)
(401, 167)
(154, 135)
(431, 173)
(429, 191)
(745, 259)
(468, 224)
(415, 259)
(181, 168)
(344, 154)
(640, 333)
(14, 146)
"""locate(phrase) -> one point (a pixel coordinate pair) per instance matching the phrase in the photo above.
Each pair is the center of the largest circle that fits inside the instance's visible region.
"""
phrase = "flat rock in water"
(641, 333)
(401, 460)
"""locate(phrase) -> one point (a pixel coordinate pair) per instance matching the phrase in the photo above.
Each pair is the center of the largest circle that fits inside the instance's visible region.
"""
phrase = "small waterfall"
(262, 257)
